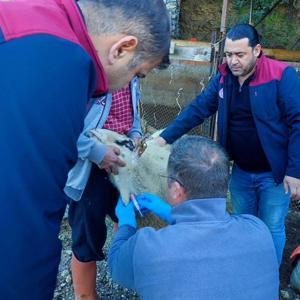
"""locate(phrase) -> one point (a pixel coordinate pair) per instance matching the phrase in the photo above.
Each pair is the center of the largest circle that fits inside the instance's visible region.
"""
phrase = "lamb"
(146, 172)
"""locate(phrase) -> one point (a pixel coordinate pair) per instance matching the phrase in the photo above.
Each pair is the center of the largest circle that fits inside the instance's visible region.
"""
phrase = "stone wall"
(166, 92)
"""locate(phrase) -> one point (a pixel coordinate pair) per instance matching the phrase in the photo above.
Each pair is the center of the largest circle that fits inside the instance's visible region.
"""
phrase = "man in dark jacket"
(204, 253)
(258, 106)
(49, 68)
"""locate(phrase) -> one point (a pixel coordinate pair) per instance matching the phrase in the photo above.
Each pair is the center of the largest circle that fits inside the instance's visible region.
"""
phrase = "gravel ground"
(109, 290)
(293, 240)
(105, 287)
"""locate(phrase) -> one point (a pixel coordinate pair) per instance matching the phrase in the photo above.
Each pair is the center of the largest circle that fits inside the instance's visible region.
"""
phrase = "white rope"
(216, 44)
(177, 100)
(250, 13)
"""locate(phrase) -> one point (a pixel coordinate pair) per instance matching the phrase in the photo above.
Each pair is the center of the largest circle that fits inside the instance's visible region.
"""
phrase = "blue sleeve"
(289, 89)
(202, 107)
(120, 257)
(90, 149)
(136, 130)
(87, 147)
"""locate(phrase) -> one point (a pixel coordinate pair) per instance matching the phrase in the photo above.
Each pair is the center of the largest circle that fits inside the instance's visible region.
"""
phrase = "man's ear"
(257, 50)
(124, 46)
(177, 193)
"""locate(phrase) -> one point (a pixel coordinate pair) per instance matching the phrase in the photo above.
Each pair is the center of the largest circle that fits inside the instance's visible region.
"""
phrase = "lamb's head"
(109, 137)
(143, 169)
(122, 181)
(141, 173)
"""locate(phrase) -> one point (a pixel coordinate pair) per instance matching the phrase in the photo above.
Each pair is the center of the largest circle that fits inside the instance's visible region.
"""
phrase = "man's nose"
(234, 59)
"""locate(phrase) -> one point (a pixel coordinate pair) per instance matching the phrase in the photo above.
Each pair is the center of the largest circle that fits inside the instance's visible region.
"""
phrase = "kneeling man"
(204, 253)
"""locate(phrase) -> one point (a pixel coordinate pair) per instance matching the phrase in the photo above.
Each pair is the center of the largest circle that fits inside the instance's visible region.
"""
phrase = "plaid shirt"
(120, 116)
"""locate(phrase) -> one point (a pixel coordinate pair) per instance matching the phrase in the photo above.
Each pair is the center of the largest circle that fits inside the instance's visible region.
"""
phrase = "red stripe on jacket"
(60, 18)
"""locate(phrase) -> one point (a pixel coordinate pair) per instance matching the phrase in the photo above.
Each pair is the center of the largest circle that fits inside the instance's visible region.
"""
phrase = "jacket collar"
(201, 210)
(223, 69)
(77, 23)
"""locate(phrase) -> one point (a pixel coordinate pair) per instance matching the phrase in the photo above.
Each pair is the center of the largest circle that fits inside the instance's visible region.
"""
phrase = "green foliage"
(278, 32)
(279, 27)
(260, 8)
(261, 5)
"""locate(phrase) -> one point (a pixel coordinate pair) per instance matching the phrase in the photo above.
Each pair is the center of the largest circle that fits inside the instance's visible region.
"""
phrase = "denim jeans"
(258, 194)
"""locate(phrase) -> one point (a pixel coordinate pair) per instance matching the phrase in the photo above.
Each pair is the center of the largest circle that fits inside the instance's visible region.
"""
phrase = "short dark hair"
(241, 31)
(147, 20)
(201, 166)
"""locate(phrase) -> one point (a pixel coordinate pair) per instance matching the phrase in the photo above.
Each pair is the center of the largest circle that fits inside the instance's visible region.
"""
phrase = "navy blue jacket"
(275, 104)
(48, 71)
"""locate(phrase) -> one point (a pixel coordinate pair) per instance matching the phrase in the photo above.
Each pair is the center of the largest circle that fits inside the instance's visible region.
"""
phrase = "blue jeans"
(258, 194)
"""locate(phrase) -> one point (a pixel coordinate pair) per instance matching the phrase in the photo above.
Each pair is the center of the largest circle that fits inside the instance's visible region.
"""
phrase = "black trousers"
(87, 216)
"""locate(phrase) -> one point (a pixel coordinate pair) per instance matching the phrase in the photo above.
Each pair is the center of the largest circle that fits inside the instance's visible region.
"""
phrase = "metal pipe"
(250, 14)
(224, 16)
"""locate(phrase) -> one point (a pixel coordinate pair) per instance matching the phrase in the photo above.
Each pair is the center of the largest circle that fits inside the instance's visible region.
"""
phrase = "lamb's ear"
(121, 142)
(129, 144)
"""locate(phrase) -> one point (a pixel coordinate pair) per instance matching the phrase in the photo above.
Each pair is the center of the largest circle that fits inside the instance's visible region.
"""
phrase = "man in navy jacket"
(258, 104)
(204, 253)
(49, 68)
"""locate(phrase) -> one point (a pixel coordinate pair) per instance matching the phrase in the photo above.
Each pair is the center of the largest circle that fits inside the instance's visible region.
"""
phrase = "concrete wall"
(166, 92)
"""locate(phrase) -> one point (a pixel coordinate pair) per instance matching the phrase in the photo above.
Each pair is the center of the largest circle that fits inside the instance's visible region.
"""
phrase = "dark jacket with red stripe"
(48, 71)
(275, 104)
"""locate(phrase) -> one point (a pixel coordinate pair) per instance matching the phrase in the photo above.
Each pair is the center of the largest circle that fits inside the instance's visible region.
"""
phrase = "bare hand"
(111, 161)
(160, 141)
(292, 184)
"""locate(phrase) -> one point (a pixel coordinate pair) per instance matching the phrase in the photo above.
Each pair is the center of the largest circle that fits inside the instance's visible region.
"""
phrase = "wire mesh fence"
(158, 116)
(164, 94)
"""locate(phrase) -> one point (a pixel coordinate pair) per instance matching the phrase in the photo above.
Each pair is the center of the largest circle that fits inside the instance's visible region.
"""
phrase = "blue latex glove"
(156, 205)
(125, 214)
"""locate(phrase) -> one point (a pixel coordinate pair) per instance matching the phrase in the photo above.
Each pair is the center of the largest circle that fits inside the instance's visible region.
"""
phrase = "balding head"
(200, 166)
